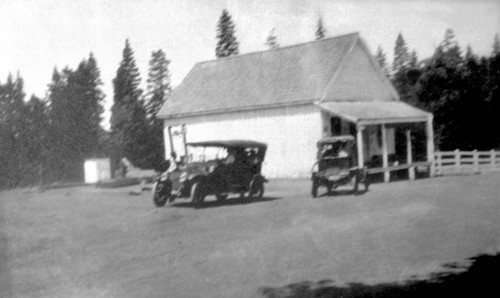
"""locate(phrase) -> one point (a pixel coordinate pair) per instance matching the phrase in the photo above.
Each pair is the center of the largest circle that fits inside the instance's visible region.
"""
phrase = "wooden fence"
(457, 162)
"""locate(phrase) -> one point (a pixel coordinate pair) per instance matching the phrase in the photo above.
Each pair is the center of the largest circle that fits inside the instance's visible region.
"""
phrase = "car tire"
(197, 194)
(256, 190)
(220, 197)
(161, 193)
(356, 184)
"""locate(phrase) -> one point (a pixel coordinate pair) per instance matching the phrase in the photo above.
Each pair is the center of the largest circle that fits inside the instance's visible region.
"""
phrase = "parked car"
(215, 168)
(337, 165)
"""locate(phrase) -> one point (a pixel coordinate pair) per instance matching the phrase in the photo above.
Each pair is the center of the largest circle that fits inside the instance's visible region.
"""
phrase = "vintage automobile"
(214, 168)
(337, 165)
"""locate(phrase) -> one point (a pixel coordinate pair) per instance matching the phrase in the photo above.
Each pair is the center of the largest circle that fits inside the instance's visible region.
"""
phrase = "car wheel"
(161, 193)
(314, 190)
(356, 184)
(256, 190)
(221, 197)
(367, 183)
(197, 194)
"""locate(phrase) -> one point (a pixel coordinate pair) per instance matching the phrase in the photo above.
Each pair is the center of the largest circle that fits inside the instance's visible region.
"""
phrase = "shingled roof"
(285, 76)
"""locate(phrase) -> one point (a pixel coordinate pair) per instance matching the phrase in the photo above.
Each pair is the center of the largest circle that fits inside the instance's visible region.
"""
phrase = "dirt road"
(88, 242)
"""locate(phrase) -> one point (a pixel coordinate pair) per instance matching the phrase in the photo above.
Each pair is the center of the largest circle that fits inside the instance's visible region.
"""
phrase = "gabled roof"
(298, 74)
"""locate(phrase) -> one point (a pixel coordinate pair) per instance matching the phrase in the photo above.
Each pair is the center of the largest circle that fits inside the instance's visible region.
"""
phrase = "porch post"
(409, 158)
(184, 132)
(170, 140)
(385, 160)
(359, 145)
(430, 144)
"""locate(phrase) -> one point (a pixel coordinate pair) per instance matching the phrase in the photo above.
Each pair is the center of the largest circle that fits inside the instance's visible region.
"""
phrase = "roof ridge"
(280, 48)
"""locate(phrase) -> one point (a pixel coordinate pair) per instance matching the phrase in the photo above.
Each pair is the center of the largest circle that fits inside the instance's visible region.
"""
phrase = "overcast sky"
(37, 35)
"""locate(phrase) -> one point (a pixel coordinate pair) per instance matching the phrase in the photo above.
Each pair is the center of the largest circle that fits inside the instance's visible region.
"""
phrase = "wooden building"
(291, 97)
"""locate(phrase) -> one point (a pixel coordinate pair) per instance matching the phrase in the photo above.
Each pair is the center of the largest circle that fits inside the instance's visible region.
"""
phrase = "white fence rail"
(457, 162)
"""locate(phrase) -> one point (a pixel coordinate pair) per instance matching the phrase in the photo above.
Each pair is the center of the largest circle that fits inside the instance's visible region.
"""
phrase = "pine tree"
(496, 46)
(272, 40)
(36, 145)
(129, 124)
(227, 45)
(382, 60)
(12, 131)
(157, 92)
(413, 59)
(158, 83)
(84, 83)
(401, 56)
(448, 51)
(320, 30)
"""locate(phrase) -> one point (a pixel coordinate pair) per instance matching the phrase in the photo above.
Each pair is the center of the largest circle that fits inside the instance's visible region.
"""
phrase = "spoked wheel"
(161, 193)
(197, 194)
(356, 184)
(220, 197)
(256, 190)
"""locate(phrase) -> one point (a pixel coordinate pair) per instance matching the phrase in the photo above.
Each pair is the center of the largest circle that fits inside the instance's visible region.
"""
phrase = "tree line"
(47, 140)
(461, 89)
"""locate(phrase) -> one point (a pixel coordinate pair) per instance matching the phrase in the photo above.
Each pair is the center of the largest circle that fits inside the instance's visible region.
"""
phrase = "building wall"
(359, 80)
(291, 134)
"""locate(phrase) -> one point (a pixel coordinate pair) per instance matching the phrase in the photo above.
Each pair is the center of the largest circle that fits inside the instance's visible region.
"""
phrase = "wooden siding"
(359, 80)
(290, 132)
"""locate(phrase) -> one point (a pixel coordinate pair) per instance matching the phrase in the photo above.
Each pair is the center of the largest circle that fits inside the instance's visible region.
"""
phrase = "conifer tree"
(401, 56)
(129, 125)
(158, 89)
(382, 60)
(496, 46)
(320, 30)
(11, 131)
(272, 40)
(227, 44)
(158, 83)
(413, 59)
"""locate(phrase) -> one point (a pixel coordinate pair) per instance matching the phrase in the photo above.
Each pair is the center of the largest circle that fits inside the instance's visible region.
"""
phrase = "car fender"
(259, 178)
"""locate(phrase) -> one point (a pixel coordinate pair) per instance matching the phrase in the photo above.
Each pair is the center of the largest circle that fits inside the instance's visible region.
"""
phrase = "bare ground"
(88, 242)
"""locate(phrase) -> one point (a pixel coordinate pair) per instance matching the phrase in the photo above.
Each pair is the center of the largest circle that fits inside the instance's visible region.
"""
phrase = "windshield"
(335, 150)
(203, 153)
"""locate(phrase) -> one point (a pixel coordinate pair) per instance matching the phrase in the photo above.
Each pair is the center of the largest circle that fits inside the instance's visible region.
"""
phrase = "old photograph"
(244, 148)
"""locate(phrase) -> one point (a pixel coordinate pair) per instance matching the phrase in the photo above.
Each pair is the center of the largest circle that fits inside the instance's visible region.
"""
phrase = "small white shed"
(97, 169)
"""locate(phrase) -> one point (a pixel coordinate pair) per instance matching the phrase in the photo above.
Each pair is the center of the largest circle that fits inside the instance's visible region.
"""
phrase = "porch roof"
(375, 112)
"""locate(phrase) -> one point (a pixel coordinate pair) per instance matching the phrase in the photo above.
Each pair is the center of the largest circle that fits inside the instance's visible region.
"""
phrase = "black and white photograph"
(245, 148)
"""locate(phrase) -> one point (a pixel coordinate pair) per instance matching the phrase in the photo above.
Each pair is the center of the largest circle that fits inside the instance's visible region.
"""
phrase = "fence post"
(438, 163)
(475, 157)
(492, 161)
(457, 161)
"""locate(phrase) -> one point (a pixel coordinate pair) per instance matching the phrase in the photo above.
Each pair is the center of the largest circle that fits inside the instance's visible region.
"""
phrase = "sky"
(38, 35)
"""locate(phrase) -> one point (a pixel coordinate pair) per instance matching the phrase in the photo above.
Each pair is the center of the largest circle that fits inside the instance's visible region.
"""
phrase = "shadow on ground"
(227, 202)
(478, 277)
(342, 192)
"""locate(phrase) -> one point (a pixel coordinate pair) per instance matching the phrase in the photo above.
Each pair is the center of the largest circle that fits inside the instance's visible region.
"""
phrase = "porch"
(391, 136)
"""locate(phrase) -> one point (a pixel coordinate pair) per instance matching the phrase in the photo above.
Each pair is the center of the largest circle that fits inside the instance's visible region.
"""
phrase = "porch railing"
(457, 162)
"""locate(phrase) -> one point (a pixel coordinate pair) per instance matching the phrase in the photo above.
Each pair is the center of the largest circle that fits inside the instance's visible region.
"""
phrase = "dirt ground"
(88, 242)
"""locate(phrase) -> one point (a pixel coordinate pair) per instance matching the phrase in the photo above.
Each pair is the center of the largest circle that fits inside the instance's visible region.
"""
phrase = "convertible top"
(230, 143)
(329, 140)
